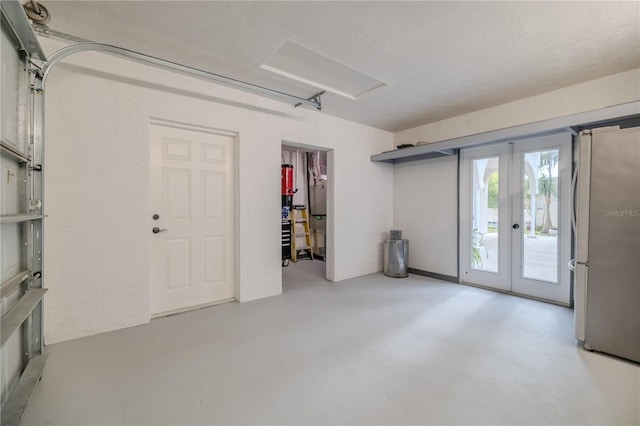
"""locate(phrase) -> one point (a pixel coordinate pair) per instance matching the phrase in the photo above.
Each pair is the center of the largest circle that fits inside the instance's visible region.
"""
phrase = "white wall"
(97, 178)
(608, 91)
(419, 185)
(425, 195)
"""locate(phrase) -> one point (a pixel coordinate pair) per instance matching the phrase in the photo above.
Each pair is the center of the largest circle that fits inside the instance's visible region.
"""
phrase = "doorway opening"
(306, 214)
(515, 217)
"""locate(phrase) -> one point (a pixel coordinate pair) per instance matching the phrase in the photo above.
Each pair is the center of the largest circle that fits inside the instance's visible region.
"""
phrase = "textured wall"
(425, 198)
(608, 91)
(97, 178)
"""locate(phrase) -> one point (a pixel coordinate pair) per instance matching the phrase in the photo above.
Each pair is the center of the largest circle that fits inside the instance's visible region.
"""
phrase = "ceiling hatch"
(309, 67)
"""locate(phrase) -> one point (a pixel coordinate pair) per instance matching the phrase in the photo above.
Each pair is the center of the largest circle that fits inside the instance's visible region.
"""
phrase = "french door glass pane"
(540, 212)
(486, 197)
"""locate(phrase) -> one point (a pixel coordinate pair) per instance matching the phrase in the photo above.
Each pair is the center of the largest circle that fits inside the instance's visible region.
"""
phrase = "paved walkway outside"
(540, 252)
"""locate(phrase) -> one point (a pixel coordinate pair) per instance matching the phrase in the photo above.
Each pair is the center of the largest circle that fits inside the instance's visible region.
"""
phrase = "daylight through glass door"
(540, 213)
(486, 203)
(515, 224)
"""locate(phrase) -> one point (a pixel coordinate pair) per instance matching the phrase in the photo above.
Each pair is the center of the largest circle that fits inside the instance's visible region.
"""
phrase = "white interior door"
(515, 218)
(192, 218)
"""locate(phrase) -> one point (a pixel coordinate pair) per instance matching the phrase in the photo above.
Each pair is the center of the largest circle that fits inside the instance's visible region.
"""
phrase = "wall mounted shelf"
(571, 123)
(414, 153)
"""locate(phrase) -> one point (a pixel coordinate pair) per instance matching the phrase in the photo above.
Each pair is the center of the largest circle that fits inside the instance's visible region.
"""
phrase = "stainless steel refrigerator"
(607, 267)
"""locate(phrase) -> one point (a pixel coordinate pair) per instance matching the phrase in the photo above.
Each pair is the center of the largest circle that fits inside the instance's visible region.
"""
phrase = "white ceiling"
(438, 59)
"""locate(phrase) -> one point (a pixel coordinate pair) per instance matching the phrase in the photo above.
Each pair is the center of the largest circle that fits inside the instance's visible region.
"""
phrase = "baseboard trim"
(441, 277)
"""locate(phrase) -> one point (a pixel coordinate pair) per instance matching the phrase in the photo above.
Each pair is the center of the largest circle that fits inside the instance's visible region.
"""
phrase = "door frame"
(329, 259)
(512, 198)
(236, 204)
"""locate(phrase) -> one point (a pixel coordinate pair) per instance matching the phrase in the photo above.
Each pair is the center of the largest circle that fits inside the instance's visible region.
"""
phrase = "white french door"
(192, 218)
(485, 240)
(515, 224)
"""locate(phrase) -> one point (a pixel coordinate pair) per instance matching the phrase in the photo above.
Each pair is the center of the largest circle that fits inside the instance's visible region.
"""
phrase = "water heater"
(287, 185)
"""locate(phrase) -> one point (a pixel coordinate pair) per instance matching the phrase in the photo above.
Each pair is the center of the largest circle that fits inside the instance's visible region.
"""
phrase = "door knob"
(516, 226)
(157, 230)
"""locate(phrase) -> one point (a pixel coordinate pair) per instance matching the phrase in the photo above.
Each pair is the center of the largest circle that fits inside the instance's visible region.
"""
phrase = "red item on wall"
(287, 184)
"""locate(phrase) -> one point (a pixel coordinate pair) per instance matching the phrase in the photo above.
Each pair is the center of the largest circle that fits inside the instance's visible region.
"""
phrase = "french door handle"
(516, 226)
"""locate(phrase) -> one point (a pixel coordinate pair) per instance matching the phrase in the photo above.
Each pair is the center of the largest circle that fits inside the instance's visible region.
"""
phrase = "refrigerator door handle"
(581, 210)
(574, 201)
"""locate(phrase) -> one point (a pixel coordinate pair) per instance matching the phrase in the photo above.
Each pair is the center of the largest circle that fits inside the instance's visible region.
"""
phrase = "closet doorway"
(306, 213)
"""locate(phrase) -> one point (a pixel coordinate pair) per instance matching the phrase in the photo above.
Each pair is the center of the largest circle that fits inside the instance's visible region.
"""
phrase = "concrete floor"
(370, 350)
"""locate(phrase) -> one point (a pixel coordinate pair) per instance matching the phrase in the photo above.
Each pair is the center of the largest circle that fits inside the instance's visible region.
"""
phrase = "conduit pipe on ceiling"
(130, 54)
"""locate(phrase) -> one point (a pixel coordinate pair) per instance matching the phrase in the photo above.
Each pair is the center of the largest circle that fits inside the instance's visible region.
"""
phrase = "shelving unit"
(286, 241)
(567, 124)
(21, 215)
(414, 153)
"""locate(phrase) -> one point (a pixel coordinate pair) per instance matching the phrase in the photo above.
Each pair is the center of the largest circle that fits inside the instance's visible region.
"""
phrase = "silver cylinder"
(396, 254)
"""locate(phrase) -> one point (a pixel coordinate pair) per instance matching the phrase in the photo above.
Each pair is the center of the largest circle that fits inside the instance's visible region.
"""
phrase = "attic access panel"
(307, 66)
